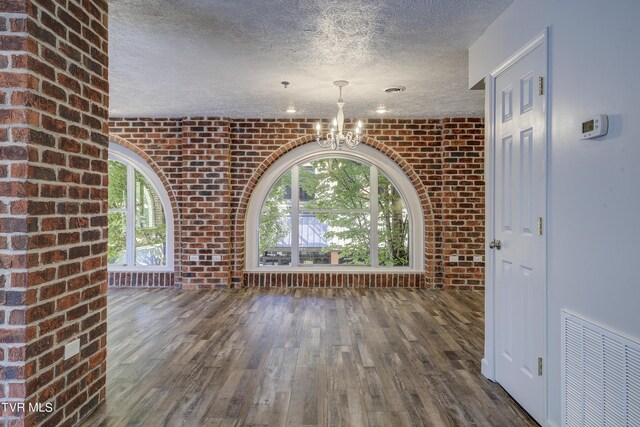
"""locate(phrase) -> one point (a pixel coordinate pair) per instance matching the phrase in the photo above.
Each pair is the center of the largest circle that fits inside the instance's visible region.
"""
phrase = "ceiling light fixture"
(291, 109)
(336, 138)
(395, 89)
(381, 109)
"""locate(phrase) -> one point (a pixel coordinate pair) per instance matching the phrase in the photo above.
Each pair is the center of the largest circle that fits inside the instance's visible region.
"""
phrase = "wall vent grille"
(600, 375)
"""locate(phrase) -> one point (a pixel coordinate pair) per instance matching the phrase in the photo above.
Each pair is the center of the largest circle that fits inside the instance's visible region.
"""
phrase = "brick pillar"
(206, 203)
(463, 202)
(53, 192)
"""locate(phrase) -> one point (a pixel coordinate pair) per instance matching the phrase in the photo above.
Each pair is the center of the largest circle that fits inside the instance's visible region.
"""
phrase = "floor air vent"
(600, 376)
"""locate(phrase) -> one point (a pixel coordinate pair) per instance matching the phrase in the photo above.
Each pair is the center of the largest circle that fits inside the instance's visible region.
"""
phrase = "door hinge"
(539, 366)
(540, 85)
(539, 226)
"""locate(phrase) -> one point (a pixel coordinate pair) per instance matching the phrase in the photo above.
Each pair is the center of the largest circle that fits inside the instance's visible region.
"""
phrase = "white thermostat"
(595, 127)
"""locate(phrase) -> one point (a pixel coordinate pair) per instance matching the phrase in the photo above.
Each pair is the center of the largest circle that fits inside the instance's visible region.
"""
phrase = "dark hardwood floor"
(312, 357)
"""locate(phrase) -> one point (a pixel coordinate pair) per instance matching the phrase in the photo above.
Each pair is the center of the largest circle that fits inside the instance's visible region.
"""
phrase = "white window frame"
(363, 154)
(133, 162)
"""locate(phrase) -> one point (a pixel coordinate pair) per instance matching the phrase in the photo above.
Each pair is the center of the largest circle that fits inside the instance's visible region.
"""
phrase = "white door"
(519, 246)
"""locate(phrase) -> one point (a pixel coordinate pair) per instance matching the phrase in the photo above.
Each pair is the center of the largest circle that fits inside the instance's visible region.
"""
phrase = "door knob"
(495, 244)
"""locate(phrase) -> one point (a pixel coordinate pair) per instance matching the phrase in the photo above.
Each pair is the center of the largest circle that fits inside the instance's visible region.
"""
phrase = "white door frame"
(489, 360)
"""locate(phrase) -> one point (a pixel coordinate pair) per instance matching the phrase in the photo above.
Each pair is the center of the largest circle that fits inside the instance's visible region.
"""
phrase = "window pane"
(274, 229)
(150, 225)
(334, 238)
(337, 184)
(117, 185)
(117, 240)
(393, 225)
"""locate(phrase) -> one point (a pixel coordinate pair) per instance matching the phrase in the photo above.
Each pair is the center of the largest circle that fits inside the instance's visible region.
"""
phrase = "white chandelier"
(336, 139)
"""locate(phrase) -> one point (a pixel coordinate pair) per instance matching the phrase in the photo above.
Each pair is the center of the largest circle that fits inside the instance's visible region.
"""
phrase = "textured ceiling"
(227, 58)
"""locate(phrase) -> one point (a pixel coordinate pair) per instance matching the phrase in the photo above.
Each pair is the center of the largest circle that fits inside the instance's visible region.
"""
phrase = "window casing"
(304, 216)
(140, 215)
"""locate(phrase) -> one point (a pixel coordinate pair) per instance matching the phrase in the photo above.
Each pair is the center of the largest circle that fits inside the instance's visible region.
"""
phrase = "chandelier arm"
(324, 143)
(351, 141)
(353, 144)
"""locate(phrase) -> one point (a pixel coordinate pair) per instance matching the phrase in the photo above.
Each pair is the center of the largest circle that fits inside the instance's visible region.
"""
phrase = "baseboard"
(486, 370)
(551, 423)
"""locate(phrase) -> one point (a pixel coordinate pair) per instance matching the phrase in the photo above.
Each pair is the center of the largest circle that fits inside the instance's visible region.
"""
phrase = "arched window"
(347, 210)
(140, 217)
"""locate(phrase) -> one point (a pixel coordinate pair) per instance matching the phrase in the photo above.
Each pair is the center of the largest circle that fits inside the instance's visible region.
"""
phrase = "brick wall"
(413, 144)
(442, 157)
(53, 192)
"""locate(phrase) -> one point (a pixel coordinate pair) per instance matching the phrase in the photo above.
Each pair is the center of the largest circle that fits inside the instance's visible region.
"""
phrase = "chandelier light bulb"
(359, 124)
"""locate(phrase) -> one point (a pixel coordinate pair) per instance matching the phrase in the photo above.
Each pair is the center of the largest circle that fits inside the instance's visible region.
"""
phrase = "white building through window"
(140, 217)
(345, 210)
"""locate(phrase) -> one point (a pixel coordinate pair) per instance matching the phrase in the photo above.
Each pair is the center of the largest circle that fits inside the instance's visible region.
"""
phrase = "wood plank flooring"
(299, 357)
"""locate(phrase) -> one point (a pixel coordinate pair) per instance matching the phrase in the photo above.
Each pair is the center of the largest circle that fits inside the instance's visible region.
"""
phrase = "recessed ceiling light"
(291, 109)
(381, 109)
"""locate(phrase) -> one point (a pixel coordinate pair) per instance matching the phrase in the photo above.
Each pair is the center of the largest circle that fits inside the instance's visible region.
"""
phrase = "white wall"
(594, 224)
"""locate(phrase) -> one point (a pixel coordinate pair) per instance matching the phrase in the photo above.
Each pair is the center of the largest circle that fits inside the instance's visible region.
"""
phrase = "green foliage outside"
(329, 186)
(150, 225)
(339, 184)
(273, 217)
(393, 225)
(151, 229)
(117, 242)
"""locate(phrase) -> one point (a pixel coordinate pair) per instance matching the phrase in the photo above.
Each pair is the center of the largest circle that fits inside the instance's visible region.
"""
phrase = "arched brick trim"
(177, 231)
(431, 259)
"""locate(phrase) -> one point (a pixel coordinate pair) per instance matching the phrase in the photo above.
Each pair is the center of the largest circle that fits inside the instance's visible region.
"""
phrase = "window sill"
(139, 270)
(354, 270)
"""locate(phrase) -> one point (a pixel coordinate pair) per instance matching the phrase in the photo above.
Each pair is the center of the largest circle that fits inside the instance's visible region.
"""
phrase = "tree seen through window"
(137, 225)
(334, 217)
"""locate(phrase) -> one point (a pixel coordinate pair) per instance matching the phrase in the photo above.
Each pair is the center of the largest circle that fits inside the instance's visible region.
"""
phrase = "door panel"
(507, 181)
(520, 199)
(526, 153)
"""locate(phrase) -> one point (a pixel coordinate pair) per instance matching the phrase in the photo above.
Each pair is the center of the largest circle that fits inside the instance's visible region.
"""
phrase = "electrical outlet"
(194, 258)
(453, 258)
(216, 258)
(477, 258)
(71, 349)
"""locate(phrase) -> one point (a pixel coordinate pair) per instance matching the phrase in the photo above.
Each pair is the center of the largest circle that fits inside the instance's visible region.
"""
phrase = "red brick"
(35, 180)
